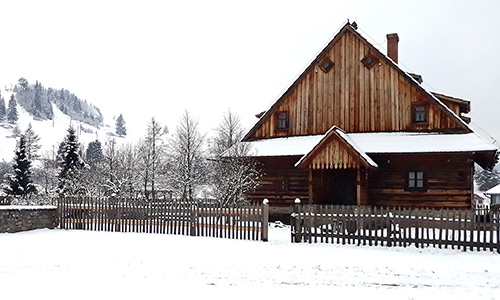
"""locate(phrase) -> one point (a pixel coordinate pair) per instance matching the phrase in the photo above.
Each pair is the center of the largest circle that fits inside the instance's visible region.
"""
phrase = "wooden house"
(356, 129)
(494, 195)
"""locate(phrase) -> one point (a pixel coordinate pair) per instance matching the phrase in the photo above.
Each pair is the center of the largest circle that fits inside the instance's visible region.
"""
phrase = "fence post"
(192, 219)
(265, 220)
(298, 230)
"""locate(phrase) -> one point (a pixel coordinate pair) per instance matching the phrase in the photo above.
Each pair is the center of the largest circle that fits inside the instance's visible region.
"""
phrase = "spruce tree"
(120, 126)
(94, 153)
(70, 164)
(37, 101)
(12, 110)
(19, 183)
(3, 111)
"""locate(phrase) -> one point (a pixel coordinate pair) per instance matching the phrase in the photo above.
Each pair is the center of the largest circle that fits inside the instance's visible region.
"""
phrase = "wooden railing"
(397, 226)
(196, 218)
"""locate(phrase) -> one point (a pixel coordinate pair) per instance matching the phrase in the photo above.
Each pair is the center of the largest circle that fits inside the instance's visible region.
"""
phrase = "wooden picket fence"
(397, 226)
(5, 200)
(196, 218)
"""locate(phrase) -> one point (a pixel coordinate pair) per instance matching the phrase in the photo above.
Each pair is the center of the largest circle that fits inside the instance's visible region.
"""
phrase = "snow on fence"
(197, 218)
(397, 226)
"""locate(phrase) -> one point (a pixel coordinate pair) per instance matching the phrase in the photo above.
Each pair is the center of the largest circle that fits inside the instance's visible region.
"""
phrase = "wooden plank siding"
(353, 97)
(297, 185)
(448, 180)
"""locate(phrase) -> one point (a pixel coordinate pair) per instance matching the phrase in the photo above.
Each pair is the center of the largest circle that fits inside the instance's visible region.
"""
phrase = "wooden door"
(340, 187)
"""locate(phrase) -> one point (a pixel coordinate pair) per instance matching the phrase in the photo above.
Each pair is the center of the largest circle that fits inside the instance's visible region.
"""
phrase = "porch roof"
(344, 144)
(414, 142)
(377, 142)
(493, 191)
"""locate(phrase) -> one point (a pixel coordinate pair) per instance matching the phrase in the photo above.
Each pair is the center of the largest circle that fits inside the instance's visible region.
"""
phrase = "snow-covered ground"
(51, 264)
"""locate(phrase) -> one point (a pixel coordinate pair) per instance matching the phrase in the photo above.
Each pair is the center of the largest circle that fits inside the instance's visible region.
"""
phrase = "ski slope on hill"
(51, 132)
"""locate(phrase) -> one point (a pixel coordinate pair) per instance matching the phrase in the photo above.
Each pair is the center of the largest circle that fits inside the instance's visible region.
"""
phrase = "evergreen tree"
(20, 182)
(120, 126)
(94, 153)
(37, 101)
(71, 164)
(23, 83)
(32, 145)
(12, 116)
(3, 111)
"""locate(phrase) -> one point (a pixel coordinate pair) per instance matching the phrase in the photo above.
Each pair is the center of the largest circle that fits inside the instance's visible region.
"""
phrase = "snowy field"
(70, 264)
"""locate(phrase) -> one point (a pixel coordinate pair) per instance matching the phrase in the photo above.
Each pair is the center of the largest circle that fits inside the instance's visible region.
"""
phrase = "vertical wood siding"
(353, 97)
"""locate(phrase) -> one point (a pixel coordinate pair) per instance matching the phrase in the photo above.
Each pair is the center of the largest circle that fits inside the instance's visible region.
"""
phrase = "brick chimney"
(392, 46)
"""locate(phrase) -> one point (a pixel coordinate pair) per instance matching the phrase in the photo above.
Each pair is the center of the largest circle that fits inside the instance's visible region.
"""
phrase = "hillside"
(51, 131)
(37, 100)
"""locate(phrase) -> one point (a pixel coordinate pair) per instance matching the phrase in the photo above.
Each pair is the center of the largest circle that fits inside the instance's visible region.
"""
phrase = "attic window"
(369, 61)
(283, 120)
(326, 65)
(419, 113)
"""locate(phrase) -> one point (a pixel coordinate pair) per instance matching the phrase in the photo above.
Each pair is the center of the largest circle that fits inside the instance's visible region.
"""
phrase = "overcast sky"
(157, 58)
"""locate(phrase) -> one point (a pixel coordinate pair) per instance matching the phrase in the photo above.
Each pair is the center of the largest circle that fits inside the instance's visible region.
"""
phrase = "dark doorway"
(340, 186)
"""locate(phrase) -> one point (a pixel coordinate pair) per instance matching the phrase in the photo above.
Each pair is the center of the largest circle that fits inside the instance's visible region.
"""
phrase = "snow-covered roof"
(493, 190)
(287, 146)
(377, 142)
(348, 140)
(412, 142)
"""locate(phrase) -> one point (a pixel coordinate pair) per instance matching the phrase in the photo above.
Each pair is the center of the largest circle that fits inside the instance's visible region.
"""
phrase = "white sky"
(156, 58)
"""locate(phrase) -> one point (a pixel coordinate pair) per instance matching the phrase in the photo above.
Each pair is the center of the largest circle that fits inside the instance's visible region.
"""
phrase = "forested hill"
(37, 99)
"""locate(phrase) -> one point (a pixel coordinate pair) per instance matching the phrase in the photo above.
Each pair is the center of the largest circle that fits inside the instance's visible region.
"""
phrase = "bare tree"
(187, 165)
(151, 152)
(233, 173)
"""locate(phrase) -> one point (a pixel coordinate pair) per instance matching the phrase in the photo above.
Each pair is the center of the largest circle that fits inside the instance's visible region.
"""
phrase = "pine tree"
(71, 164)
(120, 126)
(94, 153)
(3, 111)
(19, 183)
(37, 101)
(23, 83)
(12, 110)
(32, 145)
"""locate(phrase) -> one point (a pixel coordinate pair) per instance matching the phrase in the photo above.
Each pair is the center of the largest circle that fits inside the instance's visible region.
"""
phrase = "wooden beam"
(310, 185)
(358, 186)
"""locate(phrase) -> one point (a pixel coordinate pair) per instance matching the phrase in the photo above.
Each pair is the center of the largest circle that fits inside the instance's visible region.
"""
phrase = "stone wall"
(22, 218)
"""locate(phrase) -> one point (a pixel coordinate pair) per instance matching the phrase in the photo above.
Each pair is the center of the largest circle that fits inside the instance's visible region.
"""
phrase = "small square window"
(416, 180)
(326, 65)
(283, 120)
(369, 61)
(282, 183)
(419, 114)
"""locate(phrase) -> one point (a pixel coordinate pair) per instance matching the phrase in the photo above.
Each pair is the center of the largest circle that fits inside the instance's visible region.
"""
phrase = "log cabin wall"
(281, 182)
(352, 96)
(447, 180)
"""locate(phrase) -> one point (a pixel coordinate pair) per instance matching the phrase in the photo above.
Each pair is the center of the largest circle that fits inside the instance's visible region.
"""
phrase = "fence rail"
(197, 218)
(398, 226)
